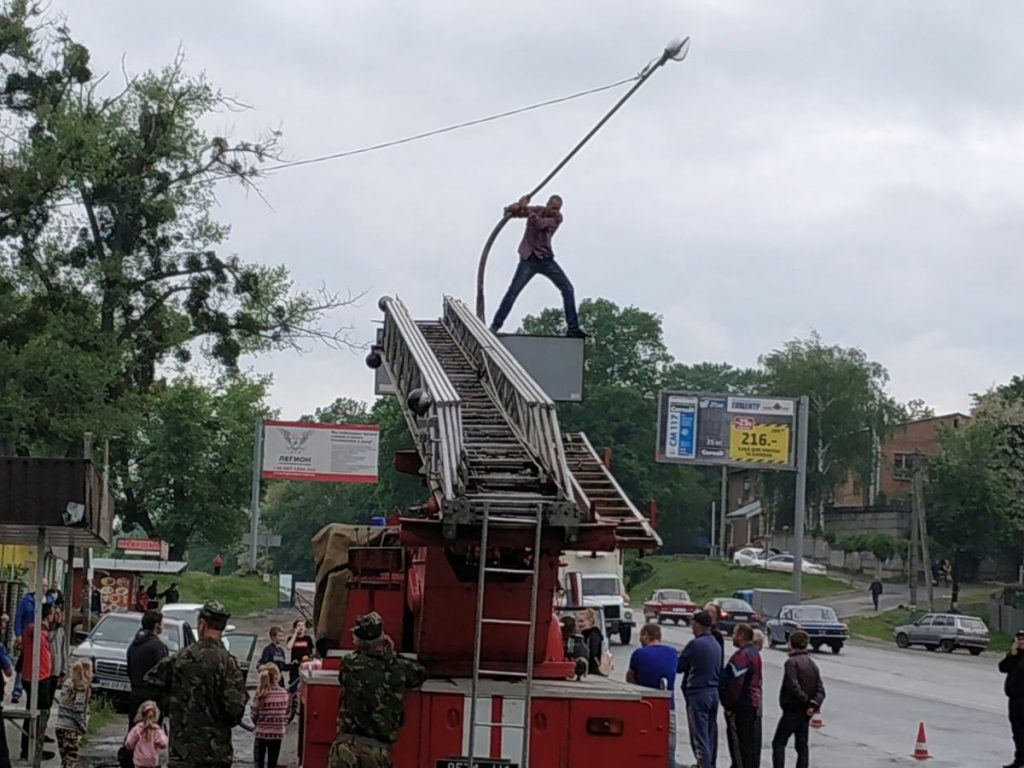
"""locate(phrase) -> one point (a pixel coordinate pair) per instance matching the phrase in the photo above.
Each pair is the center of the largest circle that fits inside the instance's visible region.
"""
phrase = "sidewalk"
(850, 604)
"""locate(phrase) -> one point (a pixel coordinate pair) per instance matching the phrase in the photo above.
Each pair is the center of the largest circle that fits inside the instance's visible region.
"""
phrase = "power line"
(447, 129)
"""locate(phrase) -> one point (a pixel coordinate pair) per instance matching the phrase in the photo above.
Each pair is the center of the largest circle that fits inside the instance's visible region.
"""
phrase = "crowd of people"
(710, 681)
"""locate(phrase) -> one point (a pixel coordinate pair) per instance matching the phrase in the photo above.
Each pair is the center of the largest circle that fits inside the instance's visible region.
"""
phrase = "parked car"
(947, 631)
(107, 647)
(670, 604)
(747, 556)
(187, 612)
(818, 621)
(784, 563)
(733, 612)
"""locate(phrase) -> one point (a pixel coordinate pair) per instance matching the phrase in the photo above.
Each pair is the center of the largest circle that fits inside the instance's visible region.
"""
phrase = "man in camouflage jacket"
(374, 680)
(202, 690)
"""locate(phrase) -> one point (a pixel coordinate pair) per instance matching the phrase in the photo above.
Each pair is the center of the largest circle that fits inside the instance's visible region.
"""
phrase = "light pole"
(675, 51)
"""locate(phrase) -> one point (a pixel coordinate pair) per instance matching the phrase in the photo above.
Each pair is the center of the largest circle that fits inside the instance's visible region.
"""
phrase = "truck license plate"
(478, 762)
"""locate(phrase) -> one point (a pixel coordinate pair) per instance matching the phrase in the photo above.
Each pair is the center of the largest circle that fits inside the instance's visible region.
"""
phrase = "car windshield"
(976, 624)
(729, 604)
(595, 587)
(814, 613)
(115, 630)
(189, 615)
(674, 594)
(121, 630)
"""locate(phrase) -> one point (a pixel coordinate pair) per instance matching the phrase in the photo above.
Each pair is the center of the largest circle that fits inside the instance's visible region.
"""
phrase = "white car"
(784, 563)
(747, 556)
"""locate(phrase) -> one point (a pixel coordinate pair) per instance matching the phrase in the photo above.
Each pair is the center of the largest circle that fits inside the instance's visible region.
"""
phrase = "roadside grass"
(241, 594)
(705, 579)
(101, 714)
(881, 625)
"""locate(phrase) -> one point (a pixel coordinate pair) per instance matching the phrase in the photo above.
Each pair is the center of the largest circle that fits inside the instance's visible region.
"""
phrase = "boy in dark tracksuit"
(801, 696)
(1013, 687)
(741, 699)
(700, 664)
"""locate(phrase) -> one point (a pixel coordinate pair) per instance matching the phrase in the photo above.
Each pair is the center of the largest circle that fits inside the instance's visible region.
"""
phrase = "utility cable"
(447, 129)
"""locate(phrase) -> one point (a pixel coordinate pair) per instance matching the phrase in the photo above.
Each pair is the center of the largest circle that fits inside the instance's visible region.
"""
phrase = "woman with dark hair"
(300, 645)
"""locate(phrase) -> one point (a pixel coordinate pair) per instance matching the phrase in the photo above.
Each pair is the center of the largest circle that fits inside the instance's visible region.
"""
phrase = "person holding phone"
(1013, 687)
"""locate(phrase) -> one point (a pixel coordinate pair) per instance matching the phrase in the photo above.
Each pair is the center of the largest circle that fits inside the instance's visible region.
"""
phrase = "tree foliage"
(112, 263)
(970, 503)
(191, 470)
(849, 407)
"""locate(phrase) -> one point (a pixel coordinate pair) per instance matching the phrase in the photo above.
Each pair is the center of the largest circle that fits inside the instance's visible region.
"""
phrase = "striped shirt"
(270, 713)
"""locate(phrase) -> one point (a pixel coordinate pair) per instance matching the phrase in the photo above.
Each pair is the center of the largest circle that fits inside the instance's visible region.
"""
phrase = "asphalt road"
(876, 696)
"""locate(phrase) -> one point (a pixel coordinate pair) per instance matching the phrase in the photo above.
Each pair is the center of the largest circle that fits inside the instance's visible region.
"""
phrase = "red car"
(670, 604)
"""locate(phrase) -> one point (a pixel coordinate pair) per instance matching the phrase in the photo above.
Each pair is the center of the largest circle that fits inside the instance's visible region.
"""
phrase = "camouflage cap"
(369, 626)
(214, 609)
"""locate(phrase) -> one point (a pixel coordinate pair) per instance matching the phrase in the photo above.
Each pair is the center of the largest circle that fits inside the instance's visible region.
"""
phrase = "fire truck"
(465, 582)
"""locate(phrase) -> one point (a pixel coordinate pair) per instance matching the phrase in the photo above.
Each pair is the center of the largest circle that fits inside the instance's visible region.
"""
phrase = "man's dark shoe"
(49, 739)
(577, 333)
(48, 755)
(493, 328)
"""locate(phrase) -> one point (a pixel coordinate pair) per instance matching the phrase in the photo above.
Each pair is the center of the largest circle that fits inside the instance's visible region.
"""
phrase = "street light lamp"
(674, 51)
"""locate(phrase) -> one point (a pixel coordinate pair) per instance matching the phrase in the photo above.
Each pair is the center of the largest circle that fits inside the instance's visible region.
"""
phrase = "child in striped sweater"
(269, 710)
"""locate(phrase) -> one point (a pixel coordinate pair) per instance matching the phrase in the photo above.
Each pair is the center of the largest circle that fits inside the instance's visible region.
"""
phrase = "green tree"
(191, 471)
(626, 366)
(849, 407)
(111, 260)
(970, 502)
(297, 510)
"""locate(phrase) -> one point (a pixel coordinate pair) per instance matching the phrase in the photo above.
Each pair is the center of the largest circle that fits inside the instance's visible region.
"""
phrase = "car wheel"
(932, 647)
(625, 634)
(660, 620)
(947, 646)
(902, 640)
(686, 622)
(771, 638)
(676, 622)
(975, 651)
(816, 646)
(837, 647)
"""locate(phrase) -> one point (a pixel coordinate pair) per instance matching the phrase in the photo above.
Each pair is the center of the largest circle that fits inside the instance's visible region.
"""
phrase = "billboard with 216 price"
(709, 429)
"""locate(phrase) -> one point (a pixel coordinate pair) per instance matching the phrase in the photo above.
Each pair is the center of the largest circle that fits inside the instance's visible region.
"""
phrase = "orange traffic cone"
(921, 748)
(816, 721)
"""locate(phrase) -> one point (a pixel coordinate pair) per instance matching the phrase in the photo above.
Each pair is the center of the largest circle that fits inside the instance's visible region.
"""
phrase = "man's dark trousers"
(702, 717)
(524, 274)
(1017, 728)
(743, 728)
(795, 724)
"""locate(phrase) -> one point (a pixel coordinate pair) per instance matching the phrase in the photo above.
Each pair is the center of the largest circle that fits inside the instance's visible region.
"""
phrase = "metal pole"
(711, 538)
(912, 559)
(800, 511)
(725, 508)
(676, 51)
(922, 529)
(257, 467)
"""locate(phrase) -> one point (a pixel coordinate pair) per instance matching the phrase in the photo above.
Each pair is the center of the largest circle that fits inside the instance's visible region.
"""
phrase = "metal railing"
(526, 407)
(412, 365)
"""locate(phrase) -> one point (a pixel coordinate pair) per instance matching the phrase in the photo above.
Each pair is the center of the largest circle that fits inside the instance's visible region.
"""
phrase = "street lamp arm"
(676, 51)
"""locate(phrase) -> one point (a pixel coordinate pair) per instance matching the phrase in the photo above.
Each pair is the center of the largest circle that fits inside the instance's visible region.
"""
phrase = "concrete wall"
(816, 548)
(893, 519)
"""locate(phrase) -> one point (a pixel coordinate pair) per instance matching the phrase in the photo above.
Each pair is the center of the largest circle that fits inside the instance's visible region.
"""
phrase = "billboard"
(327, 453)
(554, 362)
(697, 428)
(142, 547)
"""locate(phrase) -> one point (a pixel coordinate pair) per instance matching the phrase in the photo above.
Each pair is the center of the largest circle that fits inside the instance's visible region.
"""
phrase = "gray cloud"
(845, 166)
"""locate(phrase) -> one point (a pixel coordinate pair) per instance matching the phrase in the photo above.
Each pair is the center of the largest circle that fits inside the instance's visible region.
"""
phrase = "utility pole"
(257, 469)
(922, 528)
(800, 513)
(711, 538)
(912, 557)
(724, 508)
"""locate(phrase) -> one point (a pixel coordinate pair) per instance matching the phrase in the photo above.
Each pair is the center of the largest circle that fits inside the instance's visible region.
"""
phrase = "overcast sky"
(849, 167)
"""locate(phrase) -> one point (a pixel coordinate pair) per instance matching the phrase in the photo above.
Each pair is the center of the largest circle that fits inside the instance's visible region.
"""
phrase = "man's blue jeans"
(524, 274)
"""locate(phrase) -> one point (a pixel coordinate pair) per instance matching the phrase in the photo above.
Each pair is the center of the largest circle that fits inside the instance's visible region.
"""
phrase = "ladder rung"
(519, 726)
(527, 571)
(514, 622)
(503, 673)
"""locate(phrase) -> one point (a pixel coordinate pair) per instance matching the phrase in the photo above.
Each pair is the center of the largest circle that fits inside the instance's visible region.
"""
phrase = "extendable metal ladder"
(482, 620)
